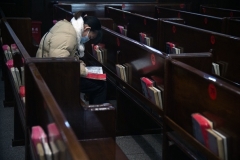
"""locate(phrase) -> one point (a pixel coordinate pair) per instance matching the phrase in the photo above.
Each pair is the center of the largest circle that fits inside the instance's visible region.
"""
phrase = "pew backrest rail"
(202, 21)
(219, 12)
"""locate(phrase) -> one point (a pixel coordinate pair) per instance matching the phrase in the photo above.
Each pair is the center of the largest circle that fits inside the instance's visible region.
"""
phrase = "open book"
(95, 72)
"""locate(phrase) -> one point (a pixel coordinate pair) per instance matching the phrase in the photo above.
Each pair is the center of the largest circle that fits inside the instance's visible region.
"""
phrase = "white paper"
(95, 69)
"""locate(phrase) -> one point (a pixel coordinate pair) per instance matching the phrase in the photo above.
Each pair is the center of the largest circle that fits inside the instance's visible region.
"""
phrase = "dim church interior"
(138, 147)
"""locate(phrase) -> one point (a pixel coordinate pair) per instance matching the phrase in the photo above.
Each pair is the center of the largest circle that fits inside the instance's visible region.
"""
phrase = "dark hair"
(92, 22)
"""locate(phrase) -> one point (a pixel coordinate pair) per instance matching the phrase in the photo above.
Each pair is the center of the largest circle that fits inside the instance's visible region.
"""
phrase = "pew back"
(188, 91)
(192, 19)
(219, 12)
(136, 23)
(224, 48)
(42, 109)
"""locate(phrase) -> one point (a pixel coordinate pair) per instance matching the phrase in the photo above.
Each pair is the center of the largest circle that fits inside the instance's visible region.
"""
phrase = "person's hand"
(81, 61)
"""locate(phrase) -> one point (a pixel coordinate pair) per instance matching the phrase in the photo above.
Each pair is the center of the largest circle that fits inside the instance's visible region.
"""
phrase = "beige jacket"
(63, 40)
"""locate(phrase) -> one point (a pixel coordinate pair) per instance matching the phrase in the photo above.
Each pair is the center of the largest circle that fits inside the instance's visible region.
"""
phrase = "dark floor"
(142, 147)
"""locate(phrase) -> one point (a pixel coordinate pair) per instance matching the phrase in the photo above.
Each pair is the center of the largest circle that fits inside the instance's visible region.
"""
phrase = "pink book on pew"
(200, 126)
(10, 63)
(121, 29)
(14, 48)
(22, 93)
(38, 136)
(146, 82)
(7, 52)
(58, 147)
(53, 132)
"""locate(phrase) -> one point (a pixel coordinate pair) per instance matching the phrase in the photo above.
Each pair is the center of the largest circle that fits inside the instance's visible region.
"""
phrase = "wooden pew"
(16, 31)
(219, 12)
(12, 97)
(43, 109)
(91, 123)
(189, 90)
(136, 23)
(224, 48)
(202, 21)
(11, 32)
(94, 125)
(145, 61)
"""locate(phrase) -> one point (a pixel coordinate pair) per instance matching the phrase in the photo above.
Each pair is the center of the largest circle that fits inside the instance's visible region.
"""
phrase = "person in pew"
(66, 39)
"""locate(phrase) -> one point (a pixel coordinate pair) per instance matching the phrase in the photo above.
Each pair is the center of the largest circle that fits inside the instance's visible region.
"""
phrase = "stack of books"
(96, 73)
(17, 72)
(219, 68)
(51, 147)
(122, 30)
(124, 71)
(153, 93)
(100, 52)
(172, 48)
(146, 39)
(209, 134)
(7, 52)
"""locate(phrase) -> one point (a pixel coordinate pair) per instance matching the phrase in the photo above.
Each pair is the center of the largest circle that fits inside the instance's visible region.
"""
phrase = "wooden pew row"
(202, 21)
(145, 61)
(224, 47)
(41, 110)
(12, 97)
(12, 33)
(16, 31)
(219, 12)
(188, 91)
(97, 9)
(93, 125)
(136, 23)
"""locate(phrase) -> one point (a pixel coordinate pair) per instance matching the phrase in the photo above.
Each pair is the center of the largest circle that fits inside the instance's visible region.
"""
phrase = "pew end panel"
(94, 124)
(188, 91)
(41, 110)
(62, 77)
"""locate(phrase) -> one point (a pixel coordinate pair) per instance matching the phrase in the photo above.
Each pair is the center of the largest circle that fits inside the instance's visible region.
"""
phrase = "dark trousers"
(96, 89)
